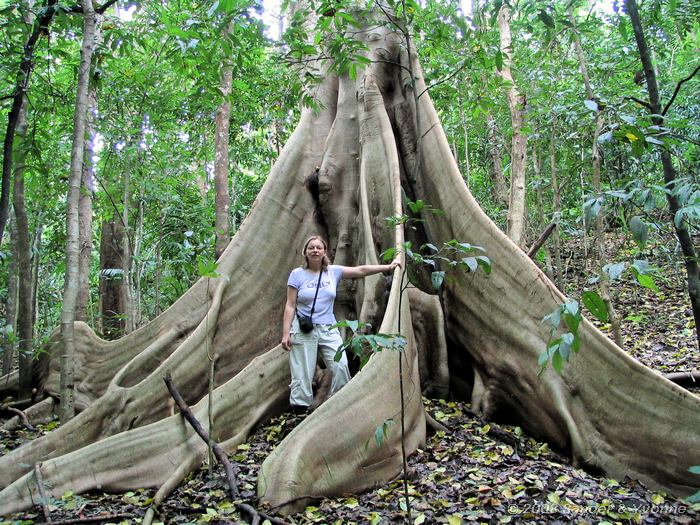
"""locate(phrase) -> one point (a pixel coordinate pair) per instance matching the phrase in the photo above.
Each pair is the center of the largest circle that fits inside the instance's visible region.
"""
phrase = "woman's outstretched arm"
(355, 272)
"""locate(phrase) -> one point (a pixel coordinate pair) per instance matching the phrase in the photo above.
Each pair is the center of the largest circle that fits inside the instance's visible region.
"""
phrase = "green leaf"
(437, 278)
(595, 305)
(639, 231)
(647, 281)
(591, 104)
(485, 263)
(614, 270)
(546, 18)
(499, 60)
(471, 263)
(207, 269)
(557, 362)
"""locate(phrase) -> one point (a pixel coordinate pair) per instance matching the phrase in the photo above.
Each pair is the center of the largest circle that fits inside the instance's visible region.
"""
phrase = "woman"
(311, 292)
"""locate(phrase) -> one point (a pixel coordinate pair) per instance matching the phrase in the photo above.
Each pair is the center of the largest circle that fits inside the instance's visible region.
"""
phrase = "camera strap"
(313, 306)
(318, 285)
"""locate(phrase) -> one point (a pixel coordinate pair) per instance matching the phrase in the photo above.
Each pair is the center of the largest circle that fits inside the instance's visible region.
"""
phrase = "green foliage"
(559, 348)
(364, 345)
(381, 432)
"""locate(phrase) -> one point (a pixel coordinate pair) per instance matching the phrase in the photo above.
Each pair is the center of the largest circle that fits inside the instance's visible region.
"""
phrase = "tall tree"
(67, 386)
(25, 303)
(658, 113)
(517, 213)
(221, 145)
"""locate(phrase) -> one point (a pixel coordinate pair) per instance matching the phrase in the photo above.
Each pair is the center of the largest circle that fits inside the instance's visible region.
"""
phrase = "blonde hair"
(325, 262)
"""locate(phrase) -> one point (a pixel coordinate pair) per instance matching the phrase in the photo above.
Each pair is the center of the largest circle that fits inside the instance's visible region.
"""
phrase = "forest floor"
(476, 471)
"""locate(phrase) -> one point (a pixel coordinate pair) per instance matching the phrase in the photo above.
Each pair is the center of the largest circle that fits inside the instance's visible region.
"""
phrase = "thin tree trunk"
(135, 268)
(18, 100)
(112, 297)
(686, 242)
(221, 145)
(34, 262)
(599, 255)
(67, 408)
(85, 212)
(25, 316)
(125, 310)
(540, 210)
(518, 155)
(8, 343)
(159, 263)
(498, 180)
(556, 201)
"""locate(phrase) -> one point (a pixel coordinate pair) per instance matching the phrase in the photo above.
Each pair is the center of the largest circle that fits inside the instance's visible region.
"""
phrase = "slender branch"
(541, 239)
(640, 102)
(21, 415)
(42, 492)
(202, 433)
(678, 88)
(218, 452)
(443, 80)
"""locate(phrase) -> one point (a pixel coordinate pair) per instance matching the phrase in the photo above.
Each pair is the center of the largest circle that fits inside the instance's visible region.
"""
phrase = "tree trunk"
(112, 294)
(19, 100)
(221, 145)
(70, 294)
(87, 188)
(490, 325)
(686, 242)
(10, 328)
(517, 212)
(25, 314)
(494, 146)
(540, 210)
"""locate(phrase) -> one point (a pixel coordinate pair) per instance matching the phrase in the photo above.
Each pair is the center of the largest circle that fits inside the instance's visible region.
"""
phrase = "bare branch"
(678, 88)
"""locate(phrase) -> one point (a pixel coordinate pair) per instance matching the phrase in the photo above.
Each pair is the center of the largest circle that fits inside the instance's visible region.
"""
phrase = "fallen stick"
(218, 453)
(21, 415)
(92, 519)
(685, 379)
(542, 239)
(42, 492)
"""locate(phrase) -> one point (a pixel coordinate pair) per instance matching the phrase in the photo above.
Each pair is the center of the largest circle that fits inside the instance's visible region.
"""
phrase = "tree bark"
(87, 189)
(112, 295)
(493, 147)
(221, 145)
(10, 328)
(686, 242)
(25, 313)
(18, 101)
(517, 212)
(67, 387)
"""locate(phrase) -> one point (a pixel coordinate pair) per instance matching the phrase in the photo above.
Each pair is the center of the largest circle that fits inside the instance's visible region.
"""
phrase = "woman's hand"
(286, 342)
(396, 263)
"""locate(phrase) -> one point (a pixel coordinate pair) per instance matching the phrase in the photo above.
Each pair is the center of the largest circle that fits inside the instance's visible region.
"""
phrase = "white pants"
(302, 361)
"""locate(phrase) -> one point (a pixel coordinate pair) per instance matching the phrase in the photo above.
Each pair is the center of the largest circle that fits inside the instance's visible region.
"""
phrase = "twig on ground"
(22, 416)
(685, 379)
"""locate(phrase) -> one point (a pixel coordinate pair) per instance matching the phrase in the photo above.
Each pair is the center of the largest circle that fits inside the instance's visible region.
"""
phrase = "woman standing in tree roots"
(308, 319)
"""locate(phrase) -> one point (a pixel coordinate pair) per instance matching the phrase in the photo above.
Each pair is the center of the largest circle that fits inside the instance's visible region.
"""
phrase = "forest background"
(183, 92)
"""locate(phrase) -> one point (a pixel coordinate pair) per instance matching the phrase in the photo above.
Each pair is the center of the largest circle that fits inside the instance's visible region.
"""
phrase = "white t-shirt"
(305, 282)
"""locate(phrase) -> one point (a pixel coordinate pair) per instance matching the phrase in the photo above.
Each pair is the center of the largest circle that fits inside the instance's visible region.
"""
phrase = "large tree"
(374, 141)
